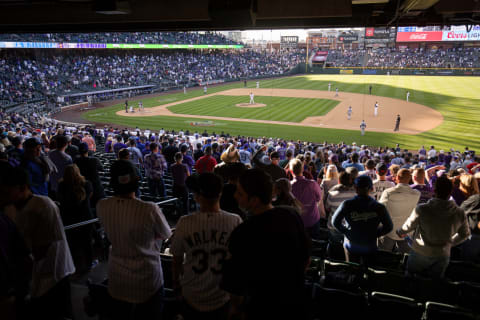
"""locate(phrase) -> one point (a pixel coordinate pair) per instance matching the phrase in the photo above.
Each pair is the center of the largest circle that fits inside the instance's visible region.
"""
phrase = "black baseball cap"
(363, 181)
(381, 168)
(123, 177)
(31, 143)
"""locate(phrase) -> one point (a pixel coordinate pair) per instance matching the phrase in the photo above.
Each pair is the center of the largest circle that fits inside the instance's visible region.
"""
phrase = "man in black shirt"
(71, 150)
(269, 254)
(90, 168)
(170, 151)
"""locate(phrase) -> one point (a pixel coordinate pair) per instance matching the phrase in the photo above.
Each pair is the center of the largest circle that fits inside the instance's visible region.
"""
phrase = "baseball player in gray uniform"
(200, 247)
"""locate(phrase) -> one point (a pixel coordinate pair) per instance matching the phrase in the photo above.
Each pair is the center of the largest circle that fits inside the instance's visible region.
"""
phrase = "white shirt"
(203, 239)
(133, 227)
(400, 201)
(40, 225)
(379, 186)
(431, 153)
(370, 173)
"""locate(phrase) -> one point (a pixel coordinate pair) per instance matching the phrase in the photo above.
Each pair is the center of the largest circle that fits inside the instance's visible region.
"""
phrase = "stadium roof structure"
(167, 15)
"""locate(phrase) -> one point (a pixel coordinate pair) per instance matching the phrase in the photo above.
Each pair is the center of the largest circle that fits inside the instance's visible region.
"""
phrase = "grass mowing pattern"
(457, 98)
(277, 109)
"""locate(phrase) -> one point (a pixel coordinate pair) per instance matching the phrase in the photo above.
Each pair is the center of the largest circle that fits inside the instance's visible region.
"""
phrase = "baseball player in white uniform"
(349, 113)
(184, 90)
(408, 95)
(251, 98)
(204, 89)
(258, 84)
(375, 112)
(200, 247)
(131, 108)
(329, 86)
(363, 125)
(336, 92)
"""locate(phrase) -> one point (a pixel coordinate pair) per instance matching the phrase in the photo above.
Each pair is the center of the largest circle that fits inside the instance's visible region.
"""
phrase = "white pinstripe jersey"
(133, 227)
(202, 238)
(40, 224)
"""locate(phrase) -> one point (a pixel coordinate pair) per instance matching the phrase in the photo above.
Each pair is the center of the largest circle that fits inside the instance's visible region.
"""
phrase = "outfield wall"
(393, 71)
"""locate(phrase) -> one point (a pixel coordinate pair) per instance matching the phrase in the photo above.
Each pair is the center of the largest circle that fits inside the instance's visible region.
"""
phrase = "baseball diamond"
(441, 110)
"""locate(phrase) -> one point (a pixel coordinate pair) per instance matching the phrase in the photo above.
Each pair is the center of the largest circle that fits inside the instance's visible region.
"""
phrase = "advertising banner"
(369, 71)
(460, 33)
(70, 45)
(346, 71)
(419, 36)
(447, 33)
(347, 37)
(320, 56)
(380, 33)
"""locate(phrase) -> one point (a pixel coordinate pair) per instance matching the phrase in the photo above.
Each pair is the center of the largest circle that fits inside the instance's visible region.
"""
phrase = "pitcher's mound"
(248, 105)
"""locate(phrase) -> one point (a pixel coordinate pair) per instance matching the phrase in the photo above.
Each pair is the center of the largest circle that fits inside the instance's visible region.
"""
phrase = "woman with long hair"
(109, 144)
(45, 142)
(282, 191)
(467, 187)
(330, 179)
(74, 193)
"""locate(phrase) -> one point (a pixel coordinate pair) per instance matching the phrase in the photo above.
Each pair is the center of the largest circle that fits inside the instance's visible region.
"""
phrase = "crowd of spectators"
(346, 58)
(296, 188)
(25, 76)
(124, 37)
(405, 58)
(424, 58)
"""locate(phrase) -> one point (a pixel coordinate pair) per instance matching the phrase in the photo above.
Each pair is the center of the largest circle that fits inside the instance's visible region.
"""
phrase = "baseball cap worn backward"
(123, 172)
(363, 181)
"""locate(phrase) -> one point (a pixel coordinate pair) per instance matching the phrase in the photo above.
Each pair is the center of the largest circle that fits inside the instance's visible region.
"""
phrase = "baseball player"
(258, 84)
(349, 113)
(329, 86)
(408, 95)
(131, 109)
(363, 125)
(204, 89)
(397, 123)
(126, 106)
(200, 246)
(336, 92)
(184, 90)
(375, 112)
(140, 106)
(370, 89)
(251, 98)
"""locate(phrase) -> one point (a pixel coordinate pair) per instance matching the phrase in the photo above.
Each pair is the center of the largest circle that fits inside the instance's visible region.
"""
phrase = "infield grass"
(277, 108)
(456, 98)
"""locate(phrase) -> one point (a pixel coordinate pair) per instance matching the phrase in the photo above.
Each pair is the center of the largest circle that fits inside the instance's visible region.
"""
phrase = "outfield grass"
(277, 108)
(457, 98)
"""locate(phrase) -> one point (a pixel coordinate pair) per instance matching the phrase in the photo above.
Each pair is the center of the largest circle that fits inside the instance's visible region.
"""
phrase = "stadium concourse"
(207, 224)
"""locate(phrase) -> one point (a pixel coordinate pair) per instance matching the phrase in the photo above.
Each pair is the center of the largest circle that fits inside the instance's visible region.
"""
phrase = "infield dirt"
(416, 118)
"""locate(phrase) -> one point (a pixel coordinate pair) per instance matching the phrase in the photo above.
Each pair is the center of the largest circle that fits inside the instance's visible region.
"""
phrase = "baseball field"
(442, 111)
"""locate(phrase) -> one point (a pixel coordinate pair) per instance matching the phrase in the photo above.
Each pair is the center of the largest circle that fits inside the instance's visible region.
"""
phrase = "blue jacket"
(365, 221)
